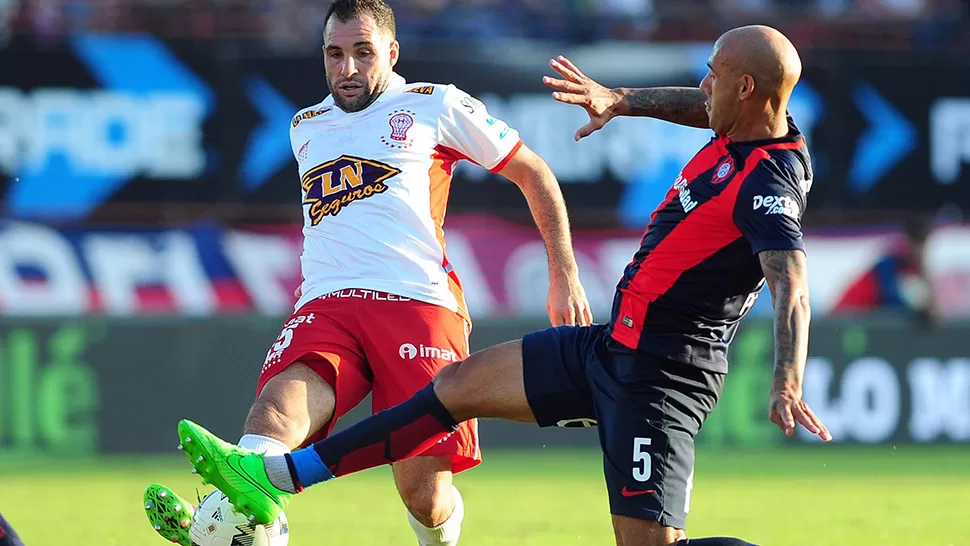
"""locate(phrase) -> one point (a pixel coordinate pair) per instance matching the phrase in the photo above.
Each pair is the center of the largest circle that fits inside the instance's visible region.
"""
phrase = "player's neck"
(372, 100)
(761, 128)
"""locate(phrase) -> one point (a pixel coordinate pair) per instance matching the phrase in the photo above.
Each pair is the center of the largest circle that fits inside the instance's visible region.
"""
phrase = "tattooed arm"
(681, 105)
(785, 272)
(786, 275)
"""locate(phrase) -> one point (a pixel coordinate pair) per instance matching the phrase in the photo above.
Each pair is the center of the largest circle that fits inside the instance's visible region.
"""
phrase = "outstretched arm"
(466, 127)
(567, 302)
(785, 272)
(681, 105)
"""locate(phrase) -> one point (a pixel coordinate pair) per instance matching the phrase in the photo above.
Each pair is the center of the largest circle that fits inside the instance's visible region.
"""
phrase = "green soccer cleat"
(237, 472)
(169, 514)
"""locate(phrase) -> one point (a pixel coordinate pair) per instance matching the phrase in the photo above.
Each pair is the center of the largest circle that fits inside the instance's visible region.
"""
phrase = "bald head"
(753, 71)
(763, 53)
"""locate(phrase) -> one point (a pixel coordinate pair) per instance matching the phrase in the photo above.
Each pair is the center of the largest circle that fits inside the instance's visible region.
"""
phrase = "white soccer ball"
(215, 524)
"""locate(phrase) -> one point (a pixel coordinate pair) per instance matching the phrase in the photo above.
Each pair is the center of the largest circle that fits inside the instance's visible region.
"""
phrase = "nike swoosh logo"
(233, 462)
(627, 493)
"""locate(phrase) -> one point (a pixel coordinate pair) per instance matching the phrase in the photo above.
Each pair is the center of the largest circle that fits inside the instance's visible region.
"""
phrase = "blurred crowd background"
(879, 97)
(283, 24)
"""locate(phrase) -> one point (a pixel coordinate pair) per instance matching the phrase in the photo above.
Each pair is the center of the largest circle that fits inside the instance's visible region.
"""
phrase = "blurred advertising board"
(207, 270)
(122, 119)
(81, 387)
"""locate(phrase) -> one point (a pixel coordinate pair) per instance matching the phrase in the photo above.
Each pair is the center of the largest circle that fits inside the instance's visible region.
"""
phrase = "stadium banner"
(120, 119)
(206, 270)
(83, 387)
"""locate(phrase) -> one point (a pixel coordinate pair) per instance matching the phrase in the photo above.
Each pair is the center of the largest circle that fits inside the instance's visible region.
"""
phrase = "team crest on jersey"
(724, 170)
(310, 114)
(400, 122)
(330, 187)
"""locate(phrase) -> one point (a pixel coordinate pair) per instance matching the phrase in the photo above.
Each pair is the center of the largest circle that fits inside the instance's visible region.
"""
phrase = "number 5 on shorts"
(641, 472)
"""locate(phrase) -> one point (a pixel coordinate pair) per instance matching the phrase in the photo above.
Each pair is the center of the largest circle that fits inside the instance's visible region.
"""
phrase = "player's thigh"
(538, 379)
(315, 371)
(648, 417)
(489, 384)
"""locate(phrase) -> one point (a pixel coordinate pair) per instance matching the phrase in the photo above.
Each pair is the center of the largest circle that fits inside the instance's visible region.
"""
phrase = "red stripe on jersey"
(508, 158)
(704, 160)
(697, 237)
(450, 154)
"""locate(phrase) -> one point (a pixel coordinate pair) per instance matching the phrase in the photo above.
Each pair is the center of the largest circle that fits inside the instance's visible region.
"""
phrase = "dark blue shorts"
(647, 411)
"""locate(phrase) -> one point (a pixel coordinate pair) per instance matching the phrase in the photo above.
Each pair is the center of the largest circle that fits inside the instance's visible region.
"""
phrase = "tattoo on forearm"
(785, 273)
(681, 105)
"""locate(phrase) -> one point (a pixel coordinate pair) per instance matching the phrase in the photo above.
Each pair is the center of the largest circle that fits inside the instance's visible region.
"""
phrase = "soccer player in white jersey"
(381, 309)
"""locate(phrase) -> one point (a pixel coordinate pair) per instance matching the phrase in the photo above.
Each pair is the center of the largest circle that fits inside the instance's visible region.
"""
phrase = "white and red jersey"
(375, 185)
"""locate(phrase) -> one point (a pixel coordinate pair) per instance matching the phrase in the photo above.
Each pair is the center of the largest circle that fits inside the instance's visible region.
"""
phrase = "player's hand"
(786, 409)
(567, 303)
(578, 88)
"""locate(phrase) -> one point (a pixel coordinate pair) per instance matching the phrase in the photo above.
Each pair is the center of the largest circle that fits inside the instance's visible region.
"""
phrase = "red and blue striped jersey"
(697, 271)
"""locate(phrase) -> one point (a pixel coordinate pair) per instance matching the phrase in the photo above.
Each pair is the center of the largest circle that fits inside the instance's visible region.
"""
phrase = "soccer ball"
(215, 524)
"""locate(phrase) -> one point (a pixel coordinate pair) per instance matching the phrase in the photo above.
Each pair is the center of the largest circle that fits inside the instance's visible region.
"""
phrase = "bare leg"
(291, 406)
(489, 383)
(644, 532)
(424, 484)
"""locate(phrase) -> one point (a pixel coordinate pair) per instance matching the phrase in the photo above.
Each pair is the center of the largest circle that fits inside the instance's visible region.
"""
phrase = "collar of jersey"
(794, 136)
(394, 85)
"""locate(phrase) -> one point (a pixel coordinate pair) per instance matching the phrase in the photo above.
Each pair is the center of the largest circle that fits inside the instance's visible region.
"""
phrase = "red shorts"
(364, 341)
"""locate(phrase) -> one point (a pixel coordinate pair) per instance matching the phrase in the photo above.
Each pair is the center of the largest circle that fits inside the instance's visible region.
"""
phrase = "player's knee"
(452, 389)
(446, 380)
(459, 382)
(292, 405)
(429, 501)
(459, 386)
(271, 417)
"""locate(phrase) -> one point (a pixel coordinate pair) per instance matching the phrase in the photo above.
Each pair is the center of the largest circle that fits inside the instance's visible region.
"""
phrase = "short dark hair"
(348, 10)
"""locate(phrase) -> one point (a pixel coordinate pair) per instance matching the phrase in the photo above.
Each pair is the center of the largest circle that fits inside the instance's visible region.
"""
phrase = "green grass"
(805, 497)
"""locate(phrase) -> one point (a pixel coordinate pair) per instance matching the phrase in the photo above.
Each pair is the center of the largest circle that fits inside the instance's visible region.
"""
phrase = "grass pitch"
(827, 495)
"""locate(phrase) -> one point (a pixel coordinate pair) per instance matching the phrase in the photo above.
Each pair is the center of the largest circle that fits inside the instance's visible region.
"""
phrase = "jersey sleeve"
(768, 211)
(466, 127)
(294, 142)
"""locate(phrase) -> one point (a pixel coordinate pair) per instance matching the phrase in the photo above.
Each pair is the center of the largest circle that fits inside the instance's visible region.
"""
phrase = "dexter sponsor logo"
(777, 205)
